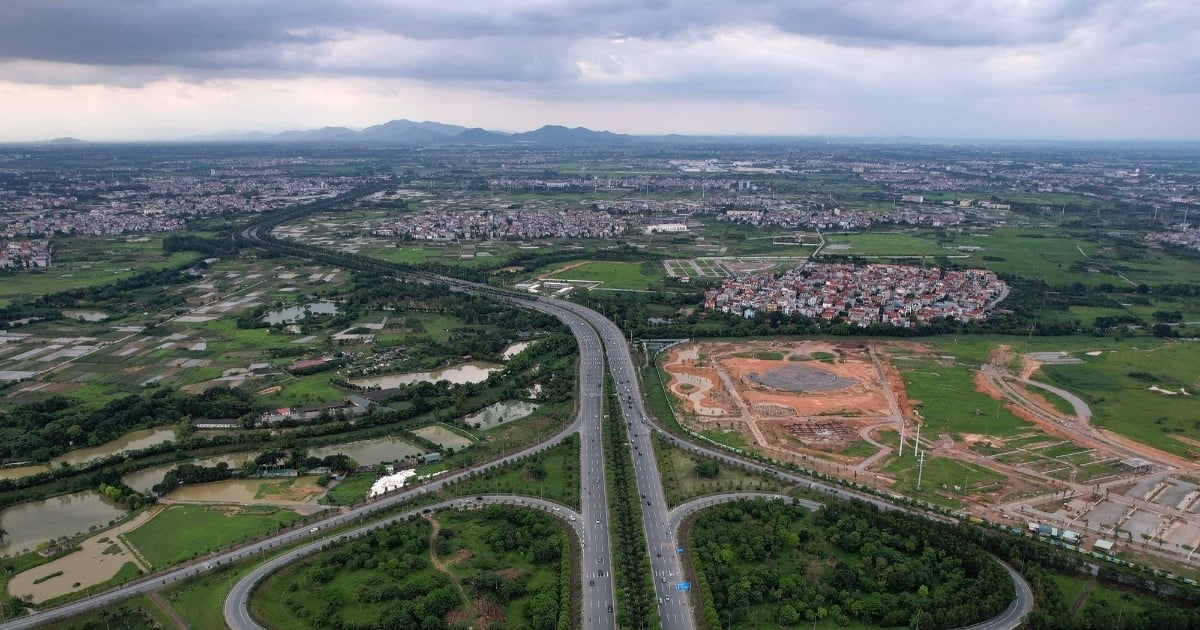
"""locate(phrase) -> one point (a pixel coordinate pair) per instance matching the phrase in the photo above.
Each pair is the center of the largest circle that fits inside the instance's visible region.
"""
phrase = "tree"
(707, 469)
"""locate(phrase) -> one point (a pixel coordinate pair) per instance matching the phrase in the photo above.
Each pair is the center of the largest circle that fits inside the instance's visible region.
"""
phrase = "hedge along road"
(237, 604)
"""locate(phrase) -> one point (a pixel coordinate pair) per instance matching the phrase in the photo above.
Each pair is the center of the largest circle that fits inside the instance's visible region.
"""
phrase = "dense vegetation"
(45, 428)
(635, 591)
(759, 563)
(508, 559)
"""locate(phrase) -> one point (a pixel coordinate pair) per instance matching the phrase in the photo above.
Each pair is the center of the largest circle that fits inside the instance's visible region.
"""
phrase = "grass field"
(950, 403)
(138, 613)
(182, 532)
(1117, 385)
(943, 481)
(561, 482)
(85, 262)
(611, 275)
(681, 482)
(880, 244)
(353, 488)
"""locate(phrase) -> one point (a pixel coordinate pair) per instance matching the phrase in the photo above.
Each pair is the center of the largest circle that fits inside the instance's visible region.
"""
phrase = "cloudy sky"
(1026, 69)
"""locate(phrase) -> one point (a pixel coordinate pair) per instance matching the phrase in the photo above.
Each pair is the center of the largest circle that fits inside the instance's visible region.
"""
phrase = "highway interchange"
(598, 338)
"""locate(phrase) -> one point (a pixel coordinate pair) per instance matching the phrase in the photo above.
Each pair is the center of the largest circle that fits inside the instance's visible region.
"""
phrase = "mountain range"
(408, 132)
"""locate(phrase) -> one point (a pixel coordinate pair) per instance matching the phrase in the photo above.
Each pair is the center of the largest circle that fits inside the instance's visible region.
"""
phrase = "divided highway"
(597, 338)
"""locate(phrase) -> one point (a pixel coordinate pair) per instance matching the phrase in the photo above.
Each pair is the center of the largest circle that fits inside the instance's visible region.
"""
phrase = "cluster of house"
(899, 295)
(154, 204)
(17, 254)
(1065, 535)
(840, 219)
(444, 225)
(1184, 237)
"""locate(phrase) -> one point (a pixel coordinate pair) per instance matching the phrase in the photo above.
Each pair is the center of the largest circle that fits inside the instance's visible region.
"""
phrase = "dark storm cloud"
(247, 36)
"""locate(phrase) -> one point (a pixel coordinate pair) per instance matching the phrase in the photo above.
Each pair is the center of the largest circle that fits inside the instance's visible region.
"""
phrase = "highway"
(597, 337)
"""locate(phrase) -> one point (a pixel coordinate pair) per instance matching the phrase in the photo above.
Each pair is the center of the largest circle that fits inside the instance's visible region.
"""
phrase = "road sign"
(683, 586)
(680, 550)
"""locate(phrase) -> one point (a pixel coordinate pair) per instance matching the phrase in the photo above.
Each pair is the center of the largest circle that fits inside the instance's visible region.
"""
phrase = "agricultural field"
(87, 262)
(183, 532)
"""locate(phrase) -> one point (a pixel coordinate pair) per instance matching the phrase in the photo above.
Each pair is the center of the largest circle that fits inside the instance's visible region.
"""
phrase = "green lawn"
(182, 532)
(1117, 382)
(611, 275)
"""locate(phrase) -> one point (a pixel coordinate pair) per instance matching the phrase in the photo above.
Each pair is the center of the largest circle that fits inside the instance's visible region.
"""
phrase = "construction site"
(848, 409)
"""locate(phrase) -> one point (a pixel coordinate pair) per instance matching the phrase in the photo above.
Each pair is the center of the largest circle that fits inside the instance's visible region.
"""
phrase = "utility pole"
(917, 440)
(901, 437)
(920, 468)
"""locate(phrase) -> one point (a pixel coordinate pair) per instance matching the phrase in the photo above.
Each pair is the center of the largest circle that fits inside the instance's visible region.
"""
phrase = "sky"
(949, 69)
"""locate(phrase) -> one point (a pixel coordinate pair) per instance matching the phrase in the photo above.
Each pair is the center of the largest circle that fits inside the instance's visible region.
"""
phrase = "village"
(898, 295)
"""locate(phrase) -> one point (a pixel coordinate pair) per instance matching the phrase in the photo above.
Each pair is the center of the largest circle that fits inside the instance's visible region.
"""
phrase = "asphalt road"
(675, 609)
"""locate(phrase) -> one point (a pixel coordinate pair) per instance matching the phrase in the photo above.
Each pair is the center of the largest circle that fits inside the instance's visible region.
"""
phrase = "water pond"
(29, 524)
(471, 372)
(500, 413)
(293, 314)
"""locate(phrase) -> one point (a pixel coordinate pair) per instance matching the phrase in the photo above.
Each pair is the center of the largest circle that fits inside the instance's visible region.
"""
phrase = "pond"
(143, 480)
(128, 442)
(515, 349)
(65, 515)
(287, 491)
(368, 452)
(500, 413)
(16, 472)
(293, 314)
(87, 316)
(443, 437)
(472, 372)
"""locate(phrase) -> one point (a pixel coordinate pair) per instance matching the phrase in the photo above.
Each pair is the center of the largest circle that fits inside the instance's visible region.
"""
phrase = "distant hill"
(409, 132)
(325, 134)
(480, 136)
(559, 135)
(425, 133)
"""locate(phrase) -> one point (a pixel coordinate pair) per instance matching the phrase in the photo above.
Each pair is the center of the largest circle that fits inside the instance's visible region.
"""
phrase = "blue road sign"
(683, 586)
(680, 550)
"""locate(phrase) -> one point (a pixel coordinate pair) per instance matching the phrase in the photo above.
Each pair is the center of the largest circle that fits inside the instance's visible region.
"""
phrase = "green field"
(611, 275)
(943, 481)
(138, 613)
(183, 532)
(90, 261)
(1116, 384)
(350, 490)
(949, 402)
(558, 479)
(681, 481)
(880, 244)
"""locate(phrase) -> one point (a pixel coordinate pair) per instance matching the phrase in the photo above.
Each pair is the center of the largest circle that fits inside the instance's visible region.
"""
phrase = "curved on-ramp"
(237, 604)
